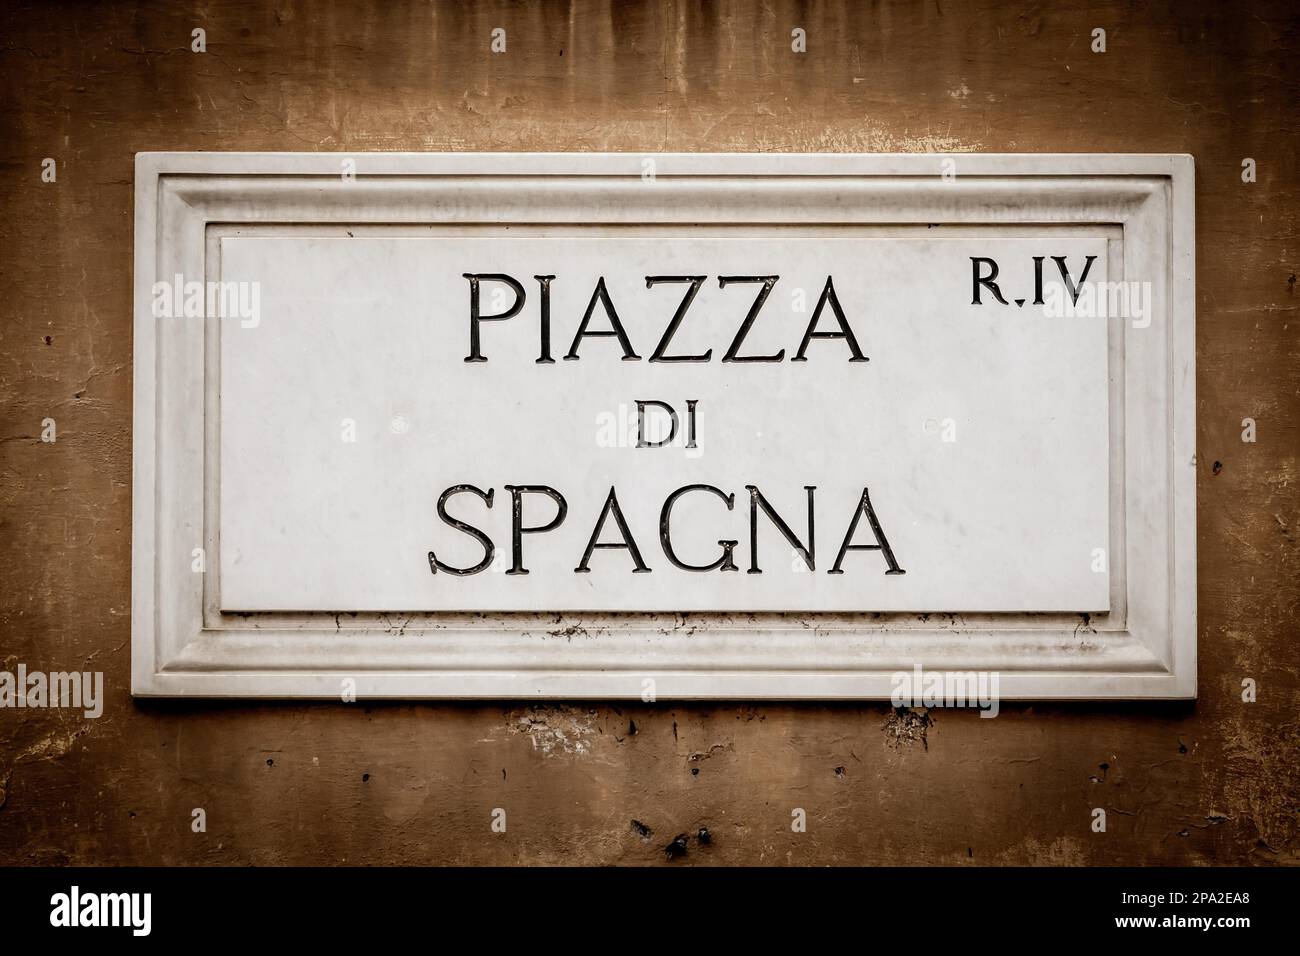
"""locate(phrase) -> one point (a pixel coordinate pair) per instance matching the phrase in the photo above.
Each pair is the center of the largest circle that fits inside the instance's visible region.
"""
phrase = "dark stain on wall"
(90, 84)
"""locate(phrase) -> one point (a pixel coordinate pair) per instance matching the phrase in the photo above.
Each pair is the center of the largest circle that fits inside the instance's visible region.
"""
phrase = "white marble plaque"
(978, 432)
(931, 412)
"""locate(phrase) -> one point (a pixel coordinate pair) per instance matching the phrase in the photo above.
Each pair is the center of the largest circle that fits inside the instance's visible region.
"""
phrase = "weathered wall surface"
(90, 84)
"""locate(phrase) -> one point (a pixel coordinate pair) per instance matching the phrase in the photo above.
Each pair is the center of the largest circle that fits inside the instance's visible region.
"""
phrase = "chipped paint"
(557, 729)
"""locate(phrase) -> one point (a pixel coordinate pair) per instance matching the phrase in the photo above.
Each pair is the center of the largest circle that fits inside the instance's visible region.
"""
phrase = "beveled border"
(1146, 648)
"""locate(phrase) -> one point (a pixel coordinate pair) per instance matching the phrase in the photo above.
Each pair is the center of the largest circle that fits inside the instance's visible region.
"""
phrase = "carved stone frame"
(1145, 647)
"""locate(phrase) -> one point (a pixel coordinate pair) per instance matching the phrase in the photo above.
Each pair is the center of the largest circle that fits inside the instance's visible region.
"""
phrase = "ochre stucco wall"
(91, 84)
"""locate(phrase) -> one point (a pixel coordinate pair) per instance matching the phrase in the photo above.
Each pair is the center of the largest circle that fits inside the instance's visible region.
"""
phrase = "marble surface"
(980, 430)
